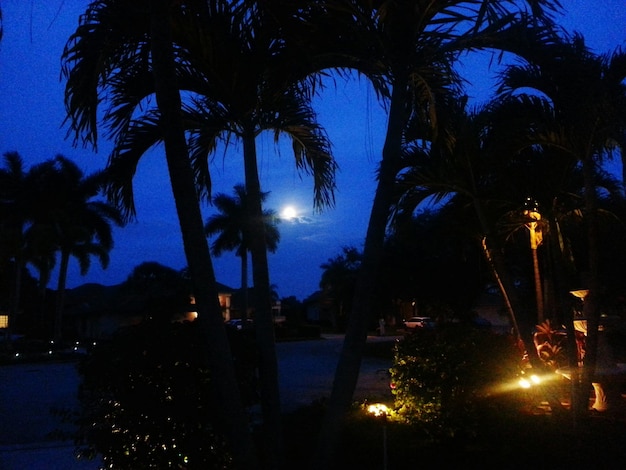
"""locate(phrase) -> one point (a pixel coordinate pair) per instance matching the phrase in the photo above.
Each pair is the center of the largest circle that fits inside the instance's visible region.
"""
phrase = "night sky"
(32, 113)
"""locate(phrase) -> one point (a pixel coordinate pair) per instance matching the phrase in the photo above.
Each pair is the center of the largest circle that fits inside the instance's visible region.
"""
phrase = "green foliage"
(146, 401)
(444, 379)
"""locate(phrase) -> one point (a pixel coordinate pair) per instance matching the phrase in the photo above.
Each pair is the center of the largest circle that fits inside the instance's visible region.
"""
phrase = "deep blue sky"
(31, 115)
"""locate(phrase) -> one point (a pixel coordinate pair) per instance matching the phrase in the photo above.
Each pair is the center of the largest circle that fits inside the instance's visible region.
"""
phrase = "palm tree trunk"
(505, 286)
(244, 285)
(538, 288)
(60, 299)
(562, 279)
(270, 393)
(590, 306)
(523, 328)
(349, 365)
(232, 419)
(15, 301)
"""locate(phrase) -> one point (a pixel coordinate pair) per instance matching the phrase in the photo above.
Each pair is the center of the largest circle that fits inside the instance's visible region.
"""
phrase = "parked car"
(419, 322)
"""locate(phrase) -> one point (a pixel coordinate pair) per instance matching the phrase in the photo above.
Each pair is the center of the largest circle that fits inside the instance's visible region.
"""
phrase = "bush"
(146, 401)
(443, 379)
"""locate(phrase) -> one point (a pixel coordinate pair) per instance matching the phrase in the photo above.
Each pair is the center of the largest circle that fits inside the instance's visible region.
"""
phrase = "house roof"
(94, 297)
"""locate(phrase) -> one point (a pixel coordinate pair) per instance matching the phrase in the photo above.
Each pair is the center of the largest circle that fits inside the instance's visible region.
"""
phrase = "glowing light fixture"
(530, 381)
(378, 410)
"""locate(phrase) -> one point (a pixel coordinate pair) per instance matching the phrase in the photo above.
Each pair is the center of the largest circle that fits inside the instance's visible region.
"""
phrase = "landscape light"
(378, 409)
(530, 381)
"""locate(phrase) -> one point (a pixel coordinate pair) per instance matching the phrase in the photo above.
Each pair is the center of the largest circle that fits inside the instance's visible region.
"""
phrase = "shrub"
(443, 378)
(146, 401)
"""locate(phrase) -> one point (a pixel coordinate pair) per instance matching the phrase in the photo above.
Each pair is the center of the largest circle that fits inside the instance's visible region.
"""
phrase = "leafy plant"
(147, 402)
(551, 344)
(444, 379)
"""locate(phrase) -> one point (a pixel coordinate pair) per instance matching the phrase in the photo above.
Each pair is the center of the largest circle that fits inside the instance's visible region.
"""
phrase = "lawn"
(522, 440)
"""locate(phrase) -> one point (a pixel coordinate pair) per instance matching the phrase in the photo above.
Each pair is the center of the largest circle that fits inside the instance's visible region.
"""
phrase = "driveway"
(28, 393)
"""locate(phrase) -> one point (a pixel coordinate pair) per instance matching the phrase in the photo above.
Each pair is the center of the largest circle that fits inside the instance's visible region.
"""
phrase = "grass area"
(522, 440)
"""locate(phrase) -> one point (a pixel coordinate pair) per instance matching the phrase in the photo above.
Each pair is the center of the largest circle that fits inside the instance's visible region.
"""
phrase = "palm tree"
(338, 279)
(252, 82)
(587, 98)
(128, 53)
(23, 239)
(490, 168)
(414, 45)
(17, 205)
(468, 170)
(72, 221)
(234, 228)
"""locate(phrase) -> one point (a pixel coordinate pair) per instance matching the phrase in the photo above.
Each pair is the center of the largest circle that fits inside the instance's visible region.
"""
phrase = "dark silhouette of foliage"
(147, 400)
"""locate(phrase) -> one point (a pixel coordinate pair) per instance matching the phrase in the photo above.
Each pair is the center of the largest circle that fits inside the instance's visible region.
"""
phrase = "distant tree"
(48, 209)
(432, 259)
(17, 205)
(338, 281)
(164, 292)
(75, 221)
(235, 229)
(292, 309)
(24, 236)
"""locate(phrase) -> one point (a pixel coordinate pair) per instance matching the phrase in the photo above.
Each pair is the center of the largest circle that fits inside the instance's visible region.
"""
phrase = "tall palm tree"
(17, 206)
(413, 43)
(492, 165)
(73, 221)
(587, 97)
(468, 170)
(235, 229)
(251, 81)
(271, 98)
(121, 56)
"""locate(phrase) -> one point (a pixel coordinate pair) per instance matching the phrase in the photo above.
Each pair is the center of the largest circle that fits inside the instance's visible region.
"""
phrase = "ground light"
(381, 411)
(530, 381)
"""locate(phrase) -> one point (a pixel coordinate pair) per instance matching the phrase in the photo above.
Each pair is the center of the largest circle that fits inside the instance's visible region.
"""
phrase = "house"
(95, 311)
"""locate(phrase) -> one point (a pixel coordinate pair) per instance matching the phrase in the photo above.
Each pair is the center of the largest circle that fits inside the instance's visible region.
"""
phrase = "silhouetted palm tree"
(413, 45)
(338, 279)
(18, 202)
(587, 100)
(235, 229)
(252, 80)
(73, 220)
(127, 57)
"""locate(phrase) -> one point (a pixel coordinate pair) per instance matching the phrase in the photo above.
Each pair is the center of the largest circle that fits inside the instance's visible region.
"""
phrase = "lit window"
(4, 321)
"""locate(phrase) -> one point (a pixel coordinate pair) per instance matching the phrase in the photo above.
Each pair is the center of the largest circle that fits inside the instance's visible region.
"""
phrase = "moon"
(289, 213)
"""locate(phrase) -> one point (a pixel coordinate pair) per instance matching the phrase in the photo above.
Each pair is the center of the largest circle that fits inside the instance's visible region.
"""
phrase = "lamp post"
(536, 237)
(380, 411)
